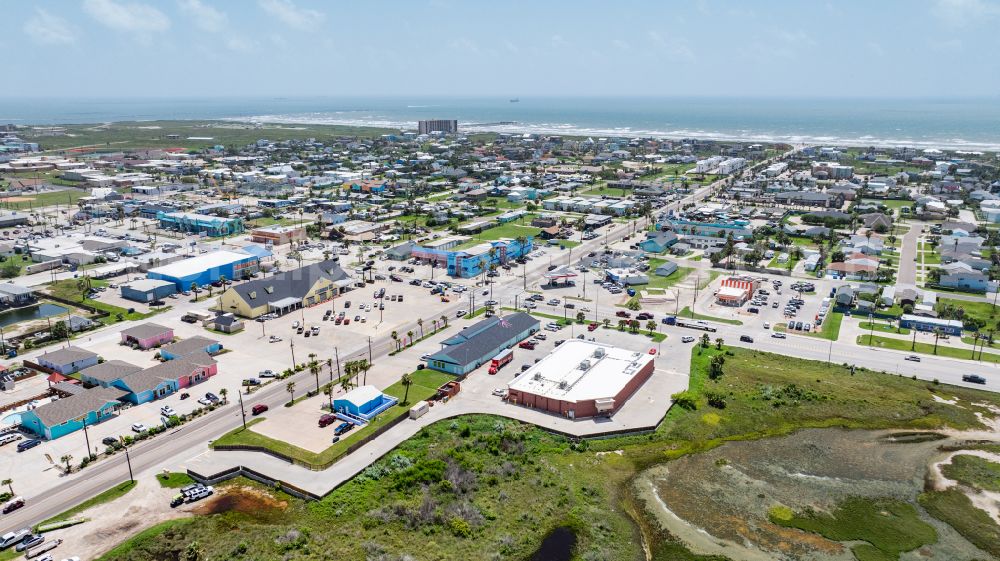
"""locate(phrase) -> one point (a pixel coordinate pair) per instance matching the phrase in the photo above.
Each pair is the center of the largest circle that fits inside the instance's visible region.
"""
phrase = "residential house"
(68, 360)
(191, 345)
(147, 335)
(658, 242)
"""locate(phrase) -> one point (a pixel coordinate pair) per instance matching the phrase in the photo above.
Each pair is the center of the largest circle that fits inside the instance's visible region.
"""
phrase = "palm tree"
(364, 366)
(290, 388)
(224, 392)
(420, 324)
(607, 322)
(395, 339)
(718, 343)
(345, 383)
(937, 335)
(329, 366)
(9, 483)
(407, 381)
(651, 326)
(409, 337)
(444, 320)
(314, 370)
(66, 459)
(328, 392)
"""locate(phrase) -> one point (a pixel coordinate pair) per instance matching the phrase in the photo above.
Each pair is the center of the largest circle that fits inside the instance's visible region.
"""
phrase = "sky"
(721, 48)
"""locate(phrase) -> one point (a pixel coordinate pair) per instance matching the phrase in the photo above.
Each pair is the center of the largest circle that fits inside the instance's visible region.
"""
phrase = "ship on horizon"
(515, 100)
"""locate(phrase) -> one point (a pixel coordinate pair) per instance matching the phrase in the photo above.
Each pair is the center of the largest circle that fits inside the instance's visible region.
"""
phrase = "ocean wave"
(571, 129)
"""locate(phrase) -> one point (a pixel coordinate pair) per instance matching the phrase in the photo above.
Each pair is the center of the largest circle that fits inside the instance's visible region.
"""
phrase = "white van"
(9, 437)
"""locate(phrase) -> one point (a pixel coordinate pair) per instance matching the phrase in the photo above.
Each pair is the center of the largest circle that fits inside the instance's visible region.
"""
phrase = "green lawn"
(509, 230)
(889, 526)
(68, 289)
(18, 260)
(925, 348)
(789, 264)
(980, 310)
(930, 258)
(687, 313)
(884, 328)
(830, 330)
(104, 497)
(67, 197)
(425, 384)
(656, 281)
(174, 480)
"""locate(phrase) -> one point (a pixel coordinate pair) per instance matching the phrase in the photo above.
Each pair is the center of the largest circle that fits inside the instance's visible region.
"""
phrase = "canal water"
(38, 311)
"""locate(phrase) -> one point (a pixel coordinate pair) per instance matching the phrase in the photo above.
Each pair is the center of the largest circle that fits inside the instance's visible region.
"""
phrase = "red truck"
(500, 360)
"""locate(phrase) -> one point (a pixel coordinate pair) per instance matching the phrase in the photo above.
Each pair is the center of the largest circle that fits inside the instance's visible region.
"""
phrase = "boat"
(515, 100)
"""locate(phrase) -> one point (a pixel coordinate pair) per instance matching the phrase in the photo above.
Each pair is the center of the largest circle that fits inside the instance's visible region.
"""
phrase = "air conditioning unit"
(562, 384)
(584, 365)
(599, 352)
(537, 377)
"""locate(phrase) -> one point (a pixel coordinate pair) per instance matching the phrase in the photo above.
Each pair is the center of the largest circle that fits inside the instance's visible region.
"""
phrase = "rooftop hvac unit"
(599, 352)
(562, 384)
(537, 377)
(584, 365)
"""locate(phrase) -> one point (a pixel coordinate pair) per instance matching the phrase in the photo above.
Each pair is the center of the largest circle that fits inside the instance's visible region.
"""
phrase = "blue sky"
(797, 48)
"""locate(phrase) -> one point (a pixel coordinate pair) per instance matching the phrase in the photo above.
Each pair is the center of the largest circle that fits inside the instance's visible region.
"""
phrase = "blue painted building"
(658, 242)
(193, 223)
(468, 263)
(191, 345)
(207, 268)
(63, 416)
(921, 323)
(477, 344)
(364, 402)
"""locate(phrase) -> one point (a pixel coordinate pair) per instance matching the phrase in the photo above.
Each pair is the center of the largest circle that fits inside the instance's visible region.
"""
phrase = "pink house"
(147, 335)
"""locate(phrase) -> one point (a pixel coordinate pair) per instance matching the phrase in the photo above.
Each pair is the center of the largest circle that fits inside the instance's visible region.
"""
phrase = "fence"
(238, 471)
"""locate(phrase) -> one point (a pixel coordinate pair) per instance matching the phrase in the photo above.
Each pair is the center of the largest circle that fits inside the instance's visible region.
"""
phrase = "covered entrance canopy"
(284, 305)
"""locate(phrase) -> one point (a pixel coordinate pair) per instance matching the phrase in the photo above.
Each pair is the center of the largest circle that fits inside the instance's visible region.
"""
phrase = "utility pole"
(242, 410)
(336, 351)
(370, 362)
(128, 461)
(291, 345)
(697, 283)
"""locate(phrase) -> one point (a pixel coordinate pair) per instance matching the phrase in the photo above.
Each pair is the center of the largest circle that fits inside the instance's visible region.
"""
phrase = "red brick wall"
(584, 408)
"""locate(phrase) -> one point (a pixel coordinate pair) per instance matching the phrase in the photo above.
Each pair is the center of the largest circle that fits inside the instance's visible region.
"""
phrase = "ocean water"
(972, 124)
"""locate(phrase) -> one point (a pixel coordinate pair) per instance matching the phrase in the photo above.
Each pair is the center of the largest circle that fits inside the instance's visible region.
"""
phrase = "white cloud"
(291, 15)
(205, 17)
(47, 29)
(960, 13)
(131, 17)
(674, 47)
(620, 44)
(240, 44)
(558, 41)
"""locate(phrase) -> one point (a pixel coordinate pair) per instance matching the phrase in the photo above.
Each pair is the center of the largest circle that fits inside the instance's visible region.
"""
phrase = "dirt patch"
(719, 502)
(242, 499)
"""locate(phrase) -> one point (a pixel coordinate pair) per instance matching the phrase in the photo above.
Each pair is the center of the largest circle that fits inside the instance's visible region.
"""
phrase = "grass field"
(885, 328)
(889, 527)
(425, 384)
(924, 348)
(973, 471)
(830, 330)
(979, 310)
(509, 230)
(68, 289)
(105, 497)
(153, 134)
(66, 198)
(656, 281)
(789, 264)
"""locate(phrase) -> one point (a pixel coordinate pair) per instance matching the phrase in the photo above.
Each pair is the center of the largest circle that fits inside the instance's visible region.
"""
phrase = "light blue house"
(477, 344)
(658, 242)
(363, 403)
(188, 346)
(63, 416)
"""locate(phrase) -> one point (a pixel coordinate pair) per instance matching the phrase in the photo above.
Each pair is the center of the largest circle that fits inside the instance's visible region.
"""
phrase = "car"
(326, 420)
(211, 397)
(541, 336)
(343, 428)
(973, 378)
(315, 330)
(623, 314)
(530, 345)
(807, 327)
(746, 338)
(258, 409)
(267, 374)
(592, 326)
(778, 335)
(500, 392)
(251, 381)
(274, 339)
(138, 427)
(753, 310)
(774, 305)
(913, 358)
(29, 541)
(644, 315)
(347, 303)
(109, 441)
(185, 395)
(687, 339)
(12, 505)
(295, 324)
(167, 411)
(11, 538)
(460, 313)
(767, 325)
(559, 342)
(28, 444)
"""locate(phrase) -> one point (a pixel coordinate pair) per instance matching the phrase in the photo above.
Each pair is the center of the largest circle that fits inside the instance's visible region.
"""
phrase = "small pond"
(28, 313)
(557, 546)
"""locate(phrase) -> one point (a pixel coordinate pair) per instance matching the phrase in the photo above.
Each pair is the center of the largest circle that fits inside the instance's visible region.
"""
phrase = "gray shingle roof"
(188, 346)
(145, 330)
(477, 341)
(67, 355)
(289, 284)
(69, 408)
(110, 371)
(149, 378)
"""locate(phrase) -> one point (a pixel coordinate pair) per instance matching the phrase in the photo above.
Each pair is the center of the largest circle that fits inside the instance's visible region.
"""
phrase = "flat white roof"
(200, 263)
(147, 284)
(560, 375)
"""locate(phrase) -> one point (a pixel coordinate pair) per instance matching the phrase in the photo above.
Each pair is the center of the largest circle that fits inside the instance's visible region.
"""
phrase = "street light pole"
(291, 345)
(128, 462)
(242, 410)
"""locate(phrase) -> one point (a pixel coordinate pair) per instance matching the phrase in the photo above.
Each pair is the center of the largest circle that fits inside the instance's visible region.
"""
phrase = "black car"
(753, 310)
(109, 441)
(746, 338)
(972, 378)
(28, 444)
